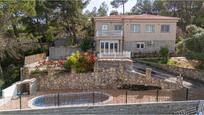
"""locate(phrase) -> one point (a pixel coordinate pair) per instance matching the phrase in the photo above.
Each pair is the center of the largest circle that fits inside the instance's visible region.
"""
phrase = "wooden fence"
(56, 53)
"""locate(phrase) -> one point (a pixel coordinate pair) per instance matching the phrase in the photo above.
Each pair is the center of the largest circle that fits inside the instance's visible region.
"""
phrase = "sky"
(97, 3)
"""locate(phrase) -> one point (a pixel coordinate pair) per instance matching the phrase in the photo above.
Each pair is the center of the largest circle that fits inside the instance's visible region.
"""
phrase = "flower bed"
(80, 62)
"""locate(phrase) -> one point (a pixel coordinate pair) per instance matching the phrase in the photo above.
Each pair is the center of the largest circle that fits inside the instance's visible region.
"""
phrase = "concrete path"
(157, 73)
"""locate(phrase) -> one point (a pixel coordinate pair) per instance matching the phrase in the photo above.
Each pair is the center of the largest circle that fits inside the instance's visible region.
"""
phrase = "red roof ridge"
(138, 17)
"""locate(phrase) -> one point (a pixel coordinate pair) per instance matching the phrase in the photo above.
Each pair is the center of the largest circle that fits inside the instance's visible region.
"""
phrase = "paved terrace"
(119, 97)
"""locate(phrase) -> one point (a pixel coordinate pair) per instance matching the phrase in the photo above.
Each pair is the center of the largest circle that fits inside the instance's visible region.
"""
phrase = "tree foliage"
(189, 11)
(195, 43)
(103, 9)
(36, 22)
(142, 6)
(118, 3)
(164, 52)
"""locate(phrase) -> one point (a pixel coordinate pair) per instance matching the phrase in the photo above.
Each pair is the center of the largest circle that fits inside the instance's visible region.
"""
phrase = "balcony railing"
(110, 33)
(115, 55)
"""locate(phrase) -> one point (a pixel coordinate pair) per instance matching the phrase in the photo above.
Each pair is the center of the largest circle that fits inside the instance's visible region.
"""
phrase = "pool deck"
(119, 97)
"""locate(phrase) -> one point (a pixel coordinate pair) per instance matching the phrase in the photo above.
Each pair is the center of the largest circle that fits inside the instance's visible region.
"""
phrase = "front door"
(109, 46)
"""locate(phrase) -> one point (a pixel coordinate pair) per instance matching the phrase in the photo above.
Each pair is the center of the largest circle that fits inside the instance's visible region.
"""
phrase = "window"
(102, 45)
(118, 27)
(165, 28)
(111, 45)
(106, 45)
(135, 27)
(149, 28)
(140, 45)
(116, 45)
(105, 27)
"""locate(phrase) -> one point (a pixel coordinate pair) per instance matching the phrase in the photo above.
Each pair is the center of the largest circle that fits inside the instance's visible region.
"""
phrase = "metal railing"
(92, 98)
(110, 33)
(115, 55)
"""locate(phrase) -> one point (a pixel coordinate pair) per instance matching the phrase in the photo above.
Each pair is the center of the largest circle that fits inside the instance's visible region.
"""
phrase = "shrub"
(171, 62)
(67, 66)
(73, 59)
(81, 62)
(86, 44)
(180, 48)
(164, 61)
(38, 72)
(164, 52)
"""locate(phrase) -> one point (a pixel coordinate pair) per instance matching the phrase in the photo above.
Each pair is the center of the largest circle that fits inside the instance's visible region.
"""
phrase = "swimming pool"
(70, 99)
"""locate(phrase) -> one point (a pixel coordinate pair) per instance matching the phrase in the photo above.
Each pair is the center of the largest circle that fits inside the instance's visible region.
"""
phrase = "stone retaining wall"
(102, 64)
(185, 72)
(107, 79)
(34, 58)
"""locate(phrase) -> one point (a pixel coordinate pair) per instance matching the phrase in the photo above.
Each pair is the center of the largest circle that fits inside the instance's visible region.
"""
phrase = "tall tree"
(12, 11)
(89, 26)
(159, 7)
(103, 9)
(118, 3)
(187, 10)
(37, 27)
(142, 6)
(67, 18)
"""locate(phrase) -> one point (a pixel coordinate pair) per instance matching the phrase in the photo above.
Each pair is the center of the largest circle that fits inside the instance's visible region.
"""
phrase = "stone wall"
(185, 72)
(34, 58)
(104, 79)
(101, 64)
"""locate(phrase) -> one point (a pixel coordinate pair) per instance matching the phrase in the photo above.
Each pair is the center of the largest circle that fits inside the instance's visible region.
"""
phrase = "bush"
(180, 49)
(171, 62)
(196, 56)
(81, 62)
(38, 72)
(164, 61)
(164, 52)
(67, 66)
(73, 59)
(86, 44)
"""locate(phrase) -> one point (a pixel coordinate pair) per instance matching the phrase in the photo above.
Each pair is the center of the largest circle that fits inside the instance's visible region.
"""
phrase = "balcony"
(113, 33)
(115, 55)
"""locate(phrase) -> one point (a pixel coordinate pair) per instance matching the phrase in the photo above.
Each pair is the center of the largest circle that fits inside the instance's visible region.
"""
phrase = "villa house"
(145, 33)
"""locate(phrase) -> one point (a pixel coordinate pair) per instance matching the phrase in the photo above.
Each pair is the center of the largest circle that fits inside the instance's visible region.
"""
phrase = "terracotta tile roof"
(136, 17)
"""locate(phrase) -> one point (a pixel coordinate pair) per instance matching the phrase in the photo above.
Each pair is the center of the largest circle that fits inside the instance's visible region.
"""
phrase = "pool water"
(70, 99)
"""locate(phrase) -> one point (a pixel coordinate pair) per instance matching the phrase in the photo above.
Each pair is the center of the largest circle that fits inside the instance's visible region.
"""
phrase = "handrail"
(115, 55)
(109, 33)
